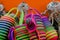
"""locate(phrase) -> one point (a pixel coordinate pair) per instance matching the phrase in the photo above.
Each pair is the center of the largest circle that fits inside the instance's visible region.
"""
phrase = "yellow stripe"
(51, 37)
(51, 34)
(33, 37)
(20, 28)
(42, 35)
(50, 31)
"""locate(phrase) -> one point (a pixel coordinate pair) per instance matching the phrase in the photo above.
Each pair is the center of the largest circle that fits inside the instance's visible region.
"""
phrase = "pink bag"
(37, 26)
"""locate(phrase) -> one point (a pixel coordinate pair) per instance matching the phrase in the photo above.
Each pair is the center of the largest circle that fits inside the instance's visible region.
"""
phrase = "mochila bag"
(18, 33)
(5, 25)
(51, 33)
(40, 27)
(32, 33)
(35, 20)
(22, 33)
(29, 19)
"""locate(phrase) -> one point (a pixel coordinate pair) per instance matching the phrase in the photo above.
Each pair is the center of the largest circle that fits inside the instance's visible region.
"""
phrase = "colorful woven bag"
(33, 22)
(51, 33)
(22, 33)
(40, 27)
(6, 22)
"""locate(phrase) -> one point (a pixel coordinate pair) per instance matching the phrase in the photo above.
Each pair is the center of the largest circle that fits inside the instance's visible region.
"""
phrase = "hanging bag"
(33, 28)
(6, 22)
(51, 33)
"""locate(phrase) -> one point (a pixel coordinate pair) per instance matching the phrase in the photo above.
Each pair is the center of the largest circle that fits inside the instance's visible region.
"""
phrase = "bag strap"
(12, 10)
(35, 10)
(21, 18)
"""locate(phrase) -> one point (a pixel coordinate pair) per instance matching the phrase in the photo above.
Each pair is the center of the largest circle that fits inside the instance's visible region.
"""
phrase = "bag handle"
(21, 18)
(35, 10)
(12, 10)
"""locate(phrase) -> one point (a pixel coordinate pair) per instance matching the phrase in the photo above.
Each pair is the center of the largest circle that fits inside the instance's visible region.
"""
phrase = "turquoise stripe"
(39, 22)
(2, 31)
(3, 34)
